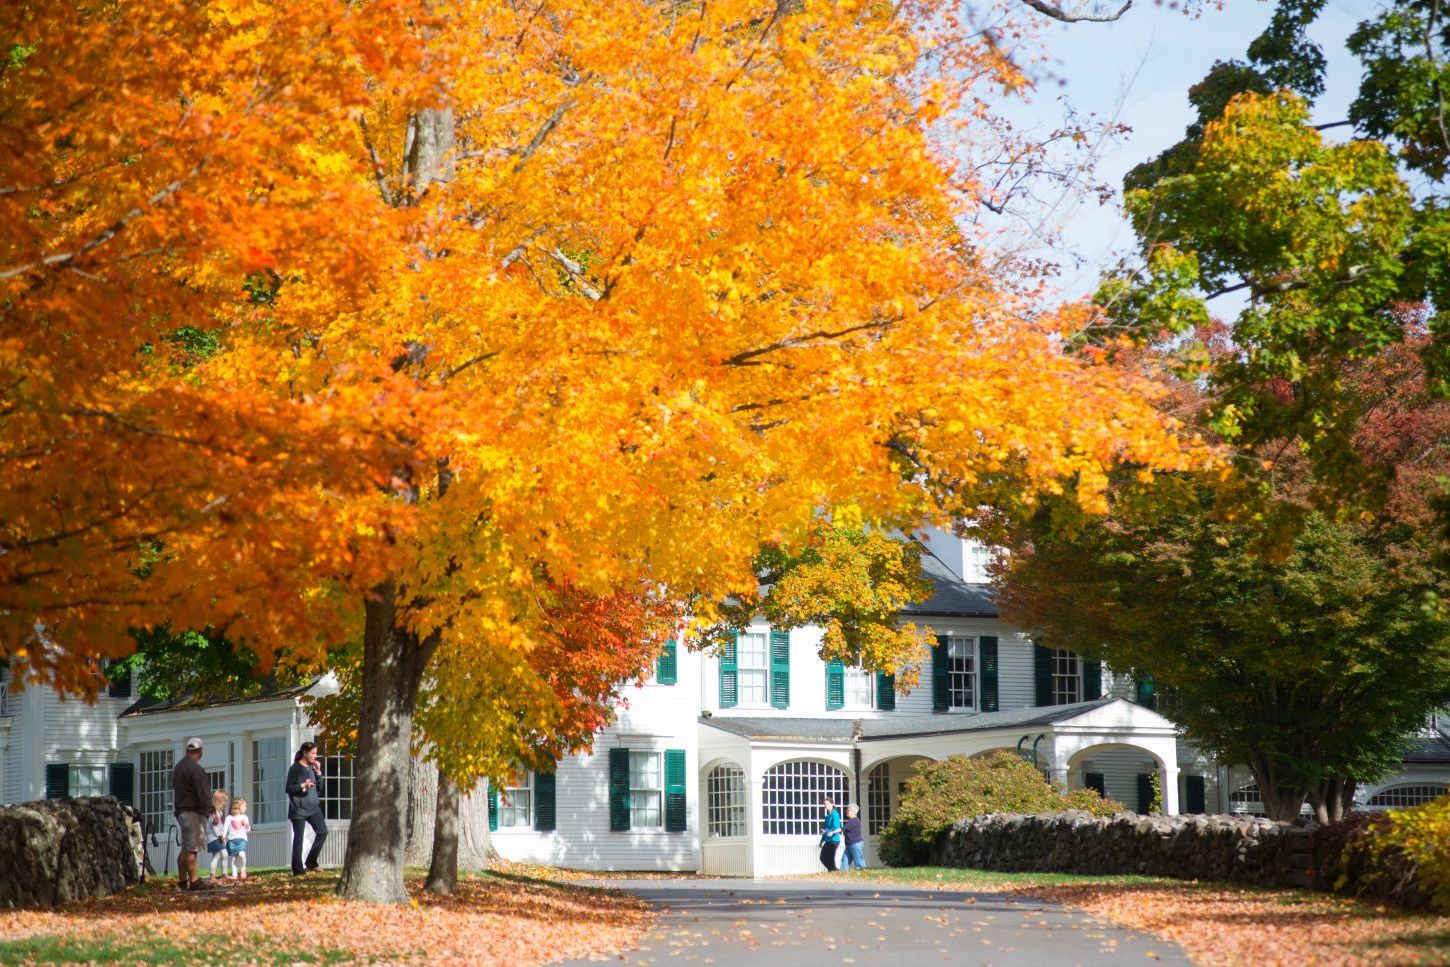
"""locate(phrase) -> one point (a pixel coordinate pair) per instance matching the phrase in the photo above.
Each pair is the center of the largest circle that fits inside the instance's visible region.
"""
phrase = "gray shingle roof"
(1429, 749)
(953, 597)
(270, 692)
(896, 726)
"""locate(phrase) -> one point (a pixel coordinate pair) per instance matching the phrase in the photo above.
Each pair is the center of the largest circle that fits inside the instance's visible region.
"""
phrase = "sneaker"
(202, 885)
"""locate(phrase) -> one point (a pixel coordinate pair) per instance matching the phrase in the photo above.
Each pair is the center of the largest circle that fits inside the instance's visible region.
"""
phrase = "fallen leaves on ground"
(563, 874)
(1224, 926)
(494, 919)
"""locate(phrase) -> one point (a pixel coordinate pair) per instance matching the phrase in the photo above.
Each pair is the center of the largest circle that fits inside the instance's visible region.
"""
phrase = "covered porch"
(763, 778)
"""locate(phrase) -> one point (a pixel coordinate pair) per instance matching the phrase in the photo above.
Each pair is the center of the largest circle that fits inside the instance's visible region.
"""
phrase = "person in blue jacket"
(830, 834)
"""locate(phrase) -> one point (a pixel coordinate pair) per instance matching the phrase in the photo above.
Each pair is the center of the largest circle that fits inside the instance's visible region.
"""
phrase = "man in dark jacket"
(855, 842)
(191, 801)
(304, 807)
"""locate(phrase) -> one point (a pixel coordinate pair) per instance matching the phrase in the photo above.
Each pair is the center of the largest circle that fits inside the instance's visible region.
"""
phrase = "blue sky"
(1138, 70)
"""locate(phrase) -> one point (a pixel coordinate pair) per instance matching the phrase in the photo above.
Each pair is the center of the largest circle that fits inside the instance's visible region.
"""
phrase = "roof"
(1429, 749)
(897, 726)
(951, 597)
(269, 693)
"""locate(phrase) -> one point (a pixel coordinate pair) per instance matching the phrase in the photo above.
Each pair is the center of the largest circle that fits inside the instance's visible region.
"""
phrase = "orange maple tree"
(504, 298)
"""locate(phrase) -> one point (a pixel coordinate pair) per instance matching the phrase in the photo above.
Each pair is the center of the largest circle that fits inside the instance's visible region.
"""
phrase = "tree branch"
(1080, 15)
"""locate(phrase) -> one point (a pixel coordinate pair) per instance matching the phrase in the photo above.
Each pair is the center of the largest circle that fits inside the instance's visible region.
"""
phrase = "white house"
(717, 764)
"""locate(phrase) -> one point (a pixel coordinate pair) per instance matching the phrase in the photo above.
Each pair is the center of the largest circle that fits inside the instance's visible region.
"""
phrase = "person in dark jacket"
(855, 842)
(304, 807)
(191, 801)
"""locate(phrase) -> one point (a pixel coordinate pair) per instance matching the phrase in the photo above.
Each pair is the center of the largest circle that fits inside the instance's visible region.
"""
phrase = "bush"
(1402, 855)
(941, 793)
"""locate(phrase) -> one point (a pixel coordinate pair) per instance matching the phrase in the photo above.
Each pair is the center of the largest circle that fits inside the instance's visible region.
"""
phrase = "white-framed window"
(646, 790)
(153, 781)
(217, 779)
(337, 780)
(791, 796)
(516, 803)
(752, 668)
(878, 798)
(860, 688)
(979, 556)
(269, 780)
(1246, 800)
(87, 781)
(1066, 677)
(962, 673)
(1403, 797)
(725, 800)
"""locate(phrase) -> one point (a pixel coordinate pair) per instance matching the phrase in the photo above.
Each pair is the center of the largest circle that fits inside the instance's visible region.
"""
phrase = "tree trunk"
(1333, 800)
(422, 812)
(1281, 804)
(443, 870)
(393, 663)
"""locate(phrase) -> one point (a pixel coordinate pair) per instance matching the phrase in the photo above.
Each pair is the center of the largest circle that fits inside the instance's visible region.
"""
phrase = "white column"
(1169, 779)
(1059, 774)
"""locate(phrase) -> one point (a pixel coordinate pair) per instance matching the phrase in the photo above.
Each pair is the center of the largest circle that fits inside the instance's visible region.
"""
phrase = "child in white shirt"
(237, 828)
(216, 840)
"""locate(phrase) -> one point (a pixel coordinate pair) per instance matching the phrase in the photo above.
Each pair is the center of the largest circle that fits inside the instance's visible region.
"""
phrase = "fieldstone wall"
(1232, 848)
(61, 850)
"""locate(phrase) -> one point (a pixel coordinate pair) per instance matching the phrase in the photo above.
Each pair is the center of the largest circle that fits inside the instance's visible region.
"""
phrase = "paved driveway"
(805, 923)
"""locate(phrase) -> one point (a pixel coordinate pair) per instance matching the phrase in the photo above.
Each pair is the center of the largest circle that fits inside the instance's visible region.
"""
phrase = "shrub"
(941, 793)
(1401, 855)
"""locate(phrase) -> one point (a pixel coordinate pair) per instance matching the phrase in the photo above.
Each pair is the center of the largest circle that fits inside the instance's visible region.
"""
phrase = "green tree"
(1308, 659)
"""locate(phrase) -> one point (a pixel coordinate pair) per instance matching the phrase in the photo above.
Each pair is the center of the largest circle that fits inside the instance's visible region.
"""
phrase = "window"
(337, 777)
(753, 669)
(645, 790)
(725, 802)
(961, 673)
(979, 556)
(1066, 677)
(269, 780)
(1401, 797)
(878, 798)
(154, 777)
(515, 803)
(1245, 800)
(860, 688)
(791, 796)
(218, 781)
(87, 781)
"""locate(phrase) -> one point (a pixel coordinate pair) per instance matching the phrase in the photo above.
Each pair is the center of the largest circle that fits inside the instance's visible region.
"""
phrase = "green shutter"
(675, 812)
(987, 646)
(940, 692)
(1147, 696)
(1096, 780)
(779, 669)
(619, 790)
(1195, 795)
(544, 799)
(57, 780)
(1145, 793)
(885, 692)
(667, 666)
(729, 673)
(123, 782)
(1042, 674)
(835, 685)
(1092, 680)
(492, 807)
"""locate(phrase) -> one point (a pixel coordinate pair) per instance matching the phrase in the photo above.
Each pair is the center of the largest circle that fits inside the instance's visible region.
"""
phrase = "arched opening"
(1120, 772)
(791, 795)
(725, 802)
(1406, 795)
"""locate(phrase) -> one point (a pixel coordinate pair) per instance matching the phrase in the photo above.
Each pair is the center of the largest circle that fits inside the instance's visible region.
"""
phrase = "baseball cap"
(193, 744)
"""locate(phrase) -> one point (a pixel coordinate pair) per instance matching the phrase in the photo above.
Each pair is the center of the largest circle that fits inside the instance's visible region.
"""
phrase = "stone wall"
(1224, 848)
(62, 850)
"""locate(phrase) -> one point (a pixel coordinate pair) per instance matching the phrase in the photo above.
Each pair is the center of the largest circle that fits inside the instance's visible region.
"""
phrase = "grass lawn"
(1218, 924)
(275, 918)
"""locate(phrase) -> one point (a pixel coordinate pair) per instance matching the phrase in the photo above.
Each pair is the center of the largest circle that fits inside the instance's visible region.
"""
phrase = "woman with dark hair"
(304, 807)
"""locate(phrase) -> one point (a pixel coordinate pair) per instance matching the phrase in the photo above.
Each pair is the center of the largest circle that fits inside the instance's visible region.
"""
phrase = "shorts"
(215, 846)
(235, 846)
(193, 831)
